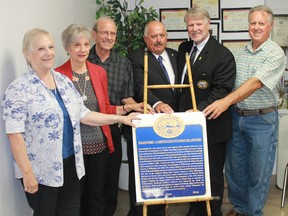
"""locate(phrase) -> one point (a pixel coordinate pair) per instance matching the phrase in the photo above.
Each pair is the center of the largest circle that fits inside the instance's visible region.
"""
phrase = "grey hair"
(73, 32)
(106, 18)
(29, 40)
(262, 8)
(197, 12)
(147, 26)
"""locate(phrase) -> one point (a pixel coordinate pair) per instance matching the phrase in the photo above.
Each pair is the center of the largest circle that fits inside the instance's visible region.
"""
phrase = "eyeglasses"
(106, 33)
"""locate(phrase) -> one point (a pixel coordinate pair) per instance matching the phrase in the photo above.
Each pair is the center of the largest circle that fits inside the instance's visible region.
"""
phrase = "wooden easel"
(191, 86)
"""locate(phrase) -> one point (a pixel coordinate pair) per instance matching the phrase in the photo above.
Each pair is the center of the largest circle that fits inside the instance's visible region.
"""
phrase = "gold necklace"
(84, 97)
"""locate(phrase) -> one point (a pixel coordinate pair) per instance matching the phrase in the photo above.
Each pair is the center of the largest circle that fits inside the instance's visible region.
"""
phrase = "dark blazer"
(213, 74)
(156, 76)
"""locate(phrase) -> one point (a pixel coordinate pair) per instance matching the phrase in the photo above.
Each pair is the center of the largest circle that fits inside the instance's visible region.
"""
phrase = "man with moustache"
(162, 100)
(213, 71)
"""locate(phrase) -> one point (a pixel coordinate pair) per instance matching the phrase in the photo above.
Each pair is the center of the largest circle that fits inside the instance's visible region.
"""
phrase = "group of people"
(68, 158)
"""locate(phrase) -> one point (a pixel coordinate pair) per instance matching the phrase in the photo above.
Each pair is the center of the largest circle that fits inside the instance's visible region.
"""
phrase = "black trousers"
(137, 210)
(113, 169)
(217, 154)
(58, 201)
(93, 183)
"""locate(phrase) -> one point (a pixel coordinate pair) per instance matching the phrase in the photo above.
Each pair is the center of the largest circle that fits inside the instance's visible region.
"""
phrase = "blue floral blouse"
(30, 108)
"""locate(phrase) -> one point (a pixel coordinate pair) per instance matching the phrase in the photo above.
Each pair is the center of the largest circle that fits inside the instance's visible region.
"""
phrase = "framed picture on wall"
(235, 45)
(214, 30)
(175, 42)
(212, 6)
(173, 18)
(235, 19)
(280, 30)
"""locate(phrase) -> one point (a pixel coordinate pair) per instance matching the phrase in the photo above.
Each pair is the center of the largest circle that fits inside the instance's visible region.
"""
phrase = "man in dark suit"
(213, 72)
(162, 100)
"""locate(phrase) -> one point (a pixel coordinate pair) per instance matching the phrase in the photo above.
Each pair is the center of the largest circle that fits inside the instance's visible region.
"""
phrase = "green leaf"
(130, 24)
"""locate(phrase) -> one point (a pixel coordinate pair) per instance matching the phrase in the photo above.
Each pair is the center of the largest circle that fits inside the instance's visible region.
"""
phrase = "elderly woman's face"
(42, 55)
(79, 49)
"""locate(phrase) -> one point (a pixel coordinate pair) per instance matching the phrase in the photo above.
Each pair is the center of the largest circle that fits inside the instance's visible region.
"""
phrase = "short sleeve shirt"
(30, 108)
(267, 63)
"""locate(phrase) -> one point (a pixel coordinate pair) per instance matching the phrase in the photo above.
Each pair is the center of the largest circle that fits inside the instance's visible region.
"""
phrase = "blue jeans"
(249, 161)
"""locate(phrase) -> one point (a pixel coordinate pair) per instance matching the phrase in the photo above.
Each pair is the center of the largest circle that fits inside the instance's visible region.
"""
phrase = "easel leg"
(144, 210)
(166, 210)
(208, 208)
(284, 187)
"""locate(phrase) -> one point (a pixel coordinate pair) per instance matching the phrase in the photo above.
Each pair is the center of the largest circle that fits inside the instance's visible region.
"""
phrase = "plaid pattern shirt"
(267, 63)
(119, 73)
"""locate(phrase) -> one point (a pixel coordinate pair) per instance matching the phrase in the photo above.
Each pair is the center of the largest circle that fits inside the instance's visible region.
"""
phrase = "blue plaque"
(171, 158)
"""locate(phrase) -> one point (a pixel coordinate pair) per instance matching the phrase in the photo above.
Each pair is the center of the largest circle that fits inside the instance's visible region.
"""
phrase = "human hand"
(30, 182)
(139, 107)
(163, 108)
(192, 110)
(215, 109)
(150, 110)
(127, 120)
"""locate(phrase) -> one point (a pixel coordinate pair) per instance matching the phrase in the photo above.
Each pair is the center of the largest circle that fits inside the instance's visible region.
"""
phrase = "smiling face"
(79, 49)
(260, 27)
(105, 35)
(155, 37)
(42, 54)
(198, 28)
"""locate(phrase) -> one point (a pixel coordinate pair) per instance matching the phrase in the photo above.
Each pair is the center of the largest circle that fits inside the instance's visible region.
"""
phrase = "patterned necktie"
(160, 59)
(193, 55)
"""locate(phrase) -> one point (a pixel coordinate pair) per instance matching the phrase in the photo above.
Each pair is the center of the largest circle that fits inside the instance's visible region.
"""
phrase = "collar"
(201, 45)
(111, 58)
(164, 55)
(263, 46)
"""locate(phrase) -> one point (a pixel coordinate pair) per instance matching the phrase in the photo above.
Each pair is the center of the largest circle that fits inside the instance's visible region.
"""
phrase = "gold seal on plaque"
(168, 126)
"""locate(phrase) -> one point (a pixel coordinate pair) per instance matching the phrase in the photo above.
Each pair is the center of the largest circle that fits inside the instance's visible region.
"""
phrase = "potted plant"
(130, 23)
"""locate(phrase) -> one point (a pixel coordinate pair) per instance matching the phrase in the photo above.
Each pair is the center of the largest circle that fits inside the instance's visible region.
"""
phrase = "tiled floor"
(272, 207)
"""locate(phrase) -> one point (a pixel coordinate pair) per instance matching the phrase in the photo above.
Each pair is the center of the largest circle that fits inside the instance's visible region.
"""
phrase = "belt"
(254, 112)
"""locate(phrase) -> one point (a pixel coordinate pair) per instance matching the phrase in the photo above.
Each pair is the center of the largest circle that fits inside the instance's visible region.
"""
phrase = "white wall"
(16, 18)
(278, 7)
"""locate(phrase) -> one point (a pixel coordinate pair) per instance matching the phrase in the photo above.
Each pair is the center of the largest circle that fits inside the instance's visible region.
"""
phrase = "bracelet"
(115, 119)
(124, 109)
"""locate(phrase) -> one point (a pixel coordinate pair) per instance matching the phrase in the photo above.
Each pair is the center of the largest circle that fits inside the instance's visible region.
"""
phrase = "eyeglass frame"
(106, 33)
